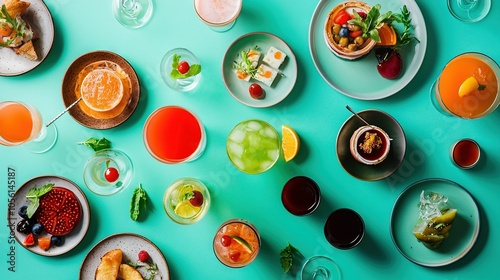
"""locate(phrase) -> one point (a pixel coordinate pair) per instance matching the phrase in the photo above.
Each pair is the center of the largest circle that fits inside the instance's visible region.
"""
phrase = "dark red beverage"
(465, 153)
(301, 195)
(376, 153)
(344, 229)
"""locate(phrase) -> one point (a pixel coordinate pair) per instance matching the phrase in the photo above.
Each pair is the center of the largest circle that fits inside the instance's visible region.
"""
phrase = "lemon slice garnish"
(468, 86)
(186, 210)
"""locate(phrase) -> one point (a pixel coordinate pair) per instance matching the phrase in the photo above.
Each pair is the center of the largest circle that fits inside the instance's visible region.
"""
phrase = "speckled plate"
(69, 95)
(463, 233)
(38, 15)
(396, 153)
(130, 244)
(72, 239)
(281, 87)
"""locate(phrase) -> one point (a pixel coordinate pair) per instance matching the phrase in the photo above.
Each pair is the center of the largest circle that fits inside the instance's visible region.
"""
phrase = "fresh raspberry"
(143, 256)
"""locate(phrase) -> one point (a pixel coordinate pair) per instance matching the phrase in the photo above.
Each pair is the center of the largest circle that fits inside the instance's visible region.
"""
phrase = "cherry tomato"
(342, 17)
(355, 34)
(234, 256)
(111, 174)
(197, 199)
(226, 240)
(183, 67)
(256, 91)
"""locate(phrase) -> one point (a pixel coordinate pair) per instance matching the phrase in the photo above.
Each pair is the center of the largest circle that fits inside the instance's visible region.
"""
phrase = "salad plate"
(39, 16)
(396, 153)
(83, 114)
(340, 73)
(72, 239)
(130, 244)
(463, 233)
(283, 84)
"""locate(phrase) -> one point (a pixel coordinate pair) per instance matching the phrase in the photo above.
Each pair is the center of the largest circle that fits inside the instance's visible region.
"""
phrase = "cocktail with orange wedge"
(236, 243)
(468, 86)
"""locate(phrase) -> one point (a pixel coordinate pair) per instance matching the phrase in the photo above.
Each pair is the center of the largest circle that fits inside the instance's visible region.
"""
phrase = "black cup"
(344, 229)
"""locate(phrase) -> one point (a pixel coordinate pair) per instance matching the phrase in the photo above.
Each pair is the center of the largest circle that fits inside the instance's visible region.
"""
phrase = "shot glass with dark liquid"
(300, 196)
(344, 229)
(465, 153)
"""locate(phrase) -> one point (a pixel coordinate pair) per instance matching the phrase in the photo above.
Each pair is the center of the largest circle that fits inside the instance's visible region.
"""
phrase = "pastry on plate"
(15, 32)
(109, 266)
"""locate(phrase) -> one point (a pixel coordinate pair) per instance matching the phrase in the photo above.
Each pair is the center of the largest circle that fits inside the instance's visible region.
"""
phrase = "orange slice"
(387, 35)
(290, 142)
(102, 90)
(468, 86)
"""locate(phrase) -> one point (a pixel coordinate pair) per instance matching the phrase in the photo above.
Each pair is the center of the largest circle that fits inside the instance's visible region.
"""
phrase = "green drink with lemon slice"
(186, 201)
(236, 243)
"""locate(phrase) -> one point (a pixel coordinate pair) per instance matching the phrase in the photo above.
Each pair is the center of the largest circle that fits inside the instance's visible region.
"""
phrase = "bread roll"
(110, 265)
(128, 273)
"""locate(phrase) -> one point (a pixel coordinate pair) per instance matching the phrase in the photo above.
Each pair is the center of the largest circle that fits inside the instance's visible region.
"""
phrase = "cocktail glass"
(219, 15)
(236, 243)
(103, 161)
(21, 123)
(173, 78)
(344, 229)
(173, 135)
(469, 10)
(186, 201)
(457, 73)
(301, 195)
(320, 268)
(133, 13)
(253, 146)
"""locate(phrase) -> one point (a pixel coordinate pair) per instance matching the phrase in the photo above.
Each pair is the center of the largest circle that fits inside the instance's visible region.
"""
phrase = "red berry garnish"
(143, 256)
(390, 64)
(256, 91)
(183, 67)
(196, 199)
(29, 240)
(234, 256)
(111, 174)
(226, 240)
(362, 14)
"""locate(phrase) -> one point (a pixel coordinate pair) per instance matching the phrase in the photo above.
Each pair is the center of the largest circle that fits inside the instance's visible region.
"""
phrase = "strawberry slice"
(59, 211)
(29, 240)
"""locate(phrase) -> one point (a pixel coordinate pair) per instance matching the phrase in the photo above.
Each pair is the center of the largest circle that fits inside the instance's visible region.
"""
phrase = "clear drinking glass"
(301, 196)
(108, 172)
(253, 146)
(236, 243)
(475, 70)
(469, 10)
(219, 15)
(320, 268)
(186, 201)
(173, 78)
(21, 123)
(133, 13)
(344, 229)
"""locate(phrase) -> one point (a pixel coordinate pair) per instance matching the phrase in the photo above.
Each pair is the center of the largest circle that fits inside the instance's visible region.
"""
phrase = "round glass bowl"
(186, 201)
(170, 74)
(96, 167)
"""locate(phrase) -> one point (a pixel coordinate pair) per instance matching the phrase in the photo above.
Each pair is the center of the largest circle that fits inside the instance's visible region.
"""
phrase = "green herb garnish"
(17, 26)
(286, 258)
(194, 69)
(153, 270)
(406, 36)
(138, 198)
(245, 65)
(34, 195)
(97, 144)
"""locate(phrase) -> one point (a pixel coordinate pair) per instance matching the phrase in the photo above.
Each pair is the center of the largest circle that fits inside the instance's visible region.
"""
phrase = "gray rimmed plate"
(396, 153)
(39, 17)
(70, 81)
(281, 87)
(72, 239)
(462, 236)
(130, 244)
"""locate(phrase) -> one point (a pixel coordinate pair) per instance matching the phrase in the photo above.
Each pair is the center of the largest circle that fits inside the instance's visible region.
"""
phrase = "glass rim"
(194, 155)
(454, 146)
(219, 24)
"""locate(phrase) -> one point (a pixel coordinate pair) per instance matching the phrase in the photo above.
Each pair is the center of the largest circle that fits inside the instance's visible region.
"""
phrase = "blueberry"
(22, 211)
(24, 226)
(37, 229)
(57, 240)
(344, 32)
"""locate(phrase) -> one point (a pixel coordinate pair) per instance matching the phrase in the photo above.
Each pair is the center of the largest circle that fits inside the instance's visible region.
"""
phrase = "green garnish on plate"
(34, 195)
(194, 69)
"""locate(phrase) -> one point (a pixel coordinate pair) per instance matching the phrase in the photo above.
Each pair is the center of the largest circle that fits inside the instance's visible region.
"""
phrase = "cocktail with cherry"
(180, 69)
(108, 172)
(236, 243)
(186, 201)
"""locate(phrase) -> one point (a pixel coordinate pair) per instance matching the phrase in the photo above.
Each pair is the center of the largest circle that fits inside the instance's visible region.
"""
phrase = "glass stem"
(130, 7)
(466, 4)
(321, 273)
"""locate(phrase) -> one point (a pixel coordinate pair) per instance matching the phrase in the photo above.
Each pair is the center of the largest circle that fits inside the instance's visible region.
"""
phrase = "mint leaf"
(96, 144)
(286, 258)
(34, 195)
(138, 198)
(194, 69)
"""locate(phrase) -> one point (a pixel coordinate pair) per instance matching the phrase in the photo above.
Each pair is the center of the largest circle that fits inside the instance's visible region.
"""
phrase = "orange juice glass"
(478, 103)
(236, 243)
(22, 124)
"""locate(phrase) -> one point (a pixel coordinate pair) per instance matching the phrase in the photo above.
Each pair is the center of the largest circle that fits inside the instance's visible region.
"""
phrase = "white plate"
(281, 87)
(38, 15)
(71, 240)
(360, 79)
(130, 244)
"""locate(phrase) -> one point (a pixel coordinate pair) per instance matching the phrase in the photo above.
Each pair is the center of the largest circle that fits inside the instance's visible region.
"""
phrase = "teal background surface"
(313, 108)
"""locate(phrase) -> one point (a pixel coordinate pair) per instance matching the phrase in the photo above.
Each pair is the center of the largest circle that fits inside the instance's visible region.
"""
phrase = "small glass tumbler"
(174, 76)
(465, 153)
(219, 15)
(301, 196)
(186, 201)
(344, 229)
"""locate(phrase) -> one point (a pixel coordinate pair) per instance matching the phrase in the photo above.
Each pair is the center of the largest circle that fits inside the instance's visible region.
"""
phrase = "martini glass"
(133, 13)
(21, 123)
(320, 268)
(469, 10)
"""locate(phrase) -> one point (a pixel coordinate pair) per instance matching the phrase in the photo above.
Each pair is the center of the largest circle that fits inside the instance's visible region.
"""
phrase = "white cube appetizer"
(253, 57)
(266, 74)
(274, 57)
